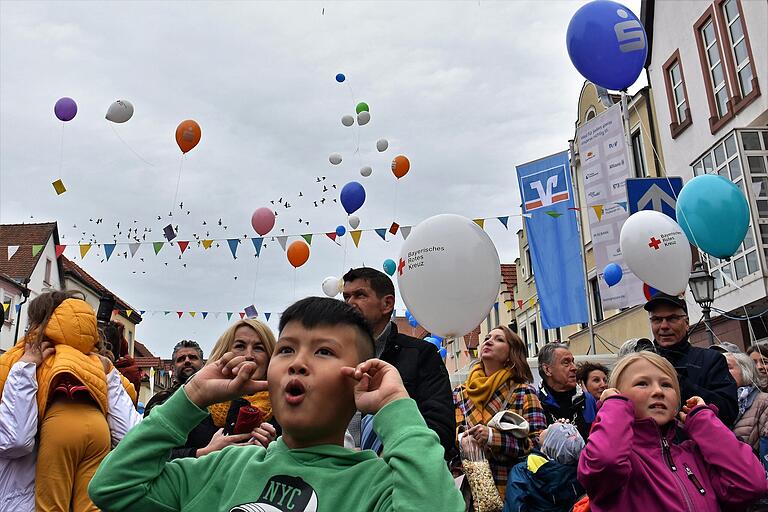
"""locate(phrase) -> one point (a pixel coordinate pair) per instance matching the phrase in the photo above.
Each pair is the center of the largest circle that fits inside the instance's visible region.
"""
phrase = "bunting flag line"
(12, 250)
(108, 250)
(479, 222)
(256, 245)
(356, 236)
(60, 250)
(394, 227)
(233, 243)
(598, 211)
(183, 245)
(307, 238)
(382, 232)
(554, 214)
(133, 248)
(207, 244)
(331, 235)
(405, 231)
(157, 246)
(36, 250)
(84, 248)
(282, 240)
(504, 221)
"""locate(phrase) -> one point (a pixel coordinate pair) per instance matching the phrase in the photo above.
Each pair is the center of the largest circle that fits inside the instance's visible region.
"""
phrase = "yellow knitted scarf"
(260, 400)
(480, 387)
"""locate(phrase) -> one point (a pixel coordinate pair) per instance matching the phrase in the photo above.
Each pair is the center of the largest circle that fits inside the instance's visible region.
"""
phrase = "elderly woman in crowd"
(592, 377)
(752, 421)
(499, 381)
(759, 354)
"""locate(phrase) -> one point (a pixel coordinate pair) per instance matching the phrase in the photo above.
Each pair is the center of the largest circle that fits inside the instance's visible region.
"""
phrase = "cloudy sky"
(467, 90)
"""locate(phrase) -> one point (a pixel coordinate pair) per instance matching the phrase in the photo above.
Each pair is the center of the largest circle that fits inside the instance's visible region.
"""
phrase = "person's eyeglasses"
(672, 319)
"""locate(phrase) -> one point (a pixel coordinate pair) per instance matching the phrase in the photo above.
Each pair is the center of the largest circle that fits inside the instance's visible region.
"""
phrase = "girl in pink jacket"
(630, 462)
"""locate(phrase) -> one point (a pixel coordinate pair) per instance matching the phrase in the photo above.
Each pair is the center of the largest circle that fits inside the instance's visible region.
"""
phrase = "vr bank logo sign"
(545, 188)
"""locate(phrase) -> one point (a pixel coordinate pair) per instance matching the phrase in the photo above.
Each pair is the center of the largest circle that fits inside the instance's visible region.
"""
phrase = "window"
(637, 155)
(558, 335)
(535, 335)
(546, 336)
(528, 262)
(524, 337)
(738, 52)
(677, 95)
(7, 305)
(595, 288)
(48, 265)
(715, 67)
(591, 113)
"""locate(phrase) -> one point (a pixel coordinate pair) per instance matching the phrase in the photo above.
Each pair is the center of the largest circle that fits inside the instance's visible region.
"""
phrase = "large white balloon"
(347, 120)
(449, 274)
(366, 171)
(655, 248)
(331, 286)
(382, 145)
(120, 111)
(335, 158)
(354, 221)
(363, 118)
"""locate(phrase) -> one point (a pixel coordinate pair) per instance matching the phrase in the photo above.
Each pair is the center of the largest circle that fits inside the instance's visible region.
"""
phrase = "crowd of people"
(343, 412)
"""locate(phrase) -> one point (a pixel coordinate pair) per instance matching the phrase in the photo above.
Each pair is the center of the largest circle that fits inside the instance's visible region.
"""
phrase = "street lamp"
(703, 288)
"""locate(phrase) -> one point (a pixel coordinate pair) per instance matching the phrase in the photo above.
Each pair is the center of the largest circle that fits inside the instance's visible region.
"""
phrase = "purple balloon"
(65, 109)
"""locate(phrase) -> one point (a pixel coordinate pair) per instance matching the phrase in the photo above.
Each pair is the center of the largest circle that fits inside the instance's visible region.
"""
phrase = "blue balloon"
(352, 197)
(389, 267)
(607, 44)
(612, 274)
(413, 322)
(408, 314)
(340, 77)
(714, 214)
(340, 230)
(443, 352)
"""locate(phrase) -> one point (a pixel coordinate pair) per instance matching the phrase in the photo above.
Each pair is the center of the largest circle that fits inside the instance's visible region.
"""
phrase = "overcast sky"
(467, 90)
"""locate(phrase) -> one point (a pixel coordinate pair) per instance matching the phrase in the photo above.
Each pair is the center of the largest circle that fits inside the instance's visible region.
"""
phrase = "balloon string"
(256, 279)
(394, 212)
(344, 261)
(61, 151)
(178, 183)
(294, 284)
(129, 146)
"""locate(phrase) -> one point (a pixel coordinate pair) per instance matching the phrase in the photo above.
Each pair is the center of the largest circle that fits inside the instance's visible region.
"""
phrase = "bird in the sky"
(325, 189)
(301, 195)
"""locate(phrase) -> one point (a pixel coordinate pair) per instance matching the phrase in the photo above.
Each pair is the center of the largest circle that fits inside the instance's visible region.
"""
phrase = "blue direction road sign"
(658, 194)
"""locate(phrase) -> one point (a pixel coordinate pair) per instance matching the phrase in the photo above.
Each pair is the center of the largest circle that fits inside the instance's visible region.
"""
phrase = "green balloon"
(362, 107)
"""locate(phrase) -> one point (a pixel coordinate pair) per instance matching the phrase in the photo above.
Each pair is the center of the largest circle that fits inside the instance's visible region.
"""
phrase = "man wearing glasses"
(701, 372)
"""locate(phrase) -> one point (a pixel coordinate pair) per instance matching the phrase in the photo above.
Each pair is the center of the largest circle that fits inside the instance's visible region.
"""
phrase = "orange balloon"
(400, 166)
(187, 135)
(298, 253)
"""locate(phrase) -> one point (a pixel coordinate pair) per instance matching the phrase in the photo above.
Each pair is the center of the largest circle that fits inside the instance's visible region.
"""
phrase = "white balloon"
(347, 120)
(366, 171)
(120, 111)
(449, 274)
(354, 221)
(655, 248)
(363, 118)
(382, 145)
(331, 286)
(335, 158)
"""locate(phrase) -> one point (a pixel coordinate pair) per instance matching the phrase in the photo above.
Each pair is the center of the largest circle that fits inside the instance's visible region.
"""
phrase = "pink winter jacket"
(631, 464)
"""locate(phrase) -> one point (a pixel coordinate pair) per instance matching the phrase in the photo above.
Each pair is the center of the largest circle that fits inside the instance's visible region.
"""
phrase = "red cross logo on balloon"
(401, 266)
(654, 243)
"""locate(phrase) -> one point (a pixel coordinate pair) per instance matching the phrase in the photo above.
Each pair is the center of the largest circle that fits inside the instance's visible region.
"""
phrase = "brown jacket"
(754, 423)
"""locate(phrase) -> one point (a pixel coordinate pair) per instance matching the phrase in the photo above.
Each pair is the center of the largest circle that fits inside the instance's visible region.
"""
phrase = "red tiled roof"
(141, 350)
(147, 362)
(73, 270)
(21, 265)
(10, 280)
(509, 276)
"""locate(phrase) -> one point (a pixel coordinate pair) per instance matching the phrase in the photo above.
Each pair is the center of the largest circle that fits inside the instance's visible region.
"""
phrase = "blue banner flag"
(553, 240)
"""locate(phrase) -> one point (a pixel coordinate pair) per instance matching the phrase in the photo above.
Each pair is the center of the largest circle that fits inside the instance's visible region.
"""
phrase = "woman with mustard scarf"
(499, 381)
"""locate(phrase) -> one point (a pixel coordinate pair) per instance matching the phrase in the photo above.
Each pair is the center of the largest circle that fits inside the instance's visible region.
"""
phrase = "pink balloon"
(263, 220)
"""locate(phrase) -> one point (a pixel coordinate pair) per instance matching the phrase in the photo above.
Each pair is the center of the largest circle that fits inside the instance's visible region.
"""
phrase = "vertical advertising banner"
(553, 240)
(605, 169)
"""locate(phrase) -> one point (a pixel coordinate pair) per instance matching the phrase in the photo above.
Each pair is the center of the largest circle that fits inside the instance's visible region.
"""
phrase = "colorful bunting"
(520, 304)
(394, 227)
(6, 306)
(183, 245)
(382, 233)
(108, 250)
(180, 313)
(504, 221)
(192, 314)
(84, 248)
(157, 246)
(36, 249)
(59, 187)
(133, 248)
(257, 245)
(229, 315)
(307, 238)
(12, 250)
(242, 315)
(405, 231)
(128, 312)
(282, 240)
(18, 308)
(267, 315)
(205, 314)
(598, 211)
(233, 242)
(356, 236)
(207, 244)
(479, 222)
(331, 235)
(623, 204)
(554, 214)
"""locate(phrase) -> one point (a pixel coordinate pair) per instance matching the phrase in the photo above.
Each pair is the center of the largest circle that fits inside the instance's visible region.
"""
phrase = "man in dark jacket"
(701, 372)
(423, 372)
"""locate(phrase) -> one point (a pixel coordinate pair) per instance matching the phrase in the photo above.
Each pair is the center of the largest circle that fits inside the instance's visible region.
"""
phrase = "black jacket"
(581, 412)
(427, 382)
(703, 372)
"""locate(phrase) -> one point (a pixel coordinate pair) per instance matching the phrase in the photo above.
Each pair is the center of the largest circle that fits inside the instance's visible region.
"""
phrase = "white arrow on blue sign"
(658, 194)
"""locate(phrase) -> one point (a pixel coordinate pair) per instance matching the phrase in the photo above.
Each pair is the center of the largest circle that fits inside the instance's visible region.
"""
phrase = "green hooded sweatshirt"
(410, 474)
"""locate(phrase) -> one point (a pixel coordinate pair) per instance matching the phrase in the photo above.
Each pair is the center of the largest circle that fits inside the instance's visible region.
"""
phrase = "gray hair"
(747, 365)
(634, 345)
(187, 344)
(547, 356)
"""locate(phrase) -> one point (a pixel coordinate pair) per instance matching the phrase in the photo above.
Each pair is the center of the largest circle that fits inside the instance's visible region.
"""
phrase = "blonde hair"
(224, 343)
(651, 357)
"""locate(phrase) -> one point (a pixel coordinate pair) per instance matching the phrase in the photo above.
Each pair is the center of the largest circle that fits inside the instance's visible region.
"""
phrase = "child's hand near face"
(378, 383)
(228, 378)
(692, 402)
(609, 392)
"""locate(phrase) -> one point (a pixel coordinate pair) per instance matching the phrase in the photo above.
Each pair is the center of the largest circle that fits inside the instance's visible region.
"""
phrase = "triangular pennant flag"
(233, 246)
(128, 312)
(267, 315)
(531, 302)
(257, 245)
(331, 235)
(598, 211)
(504, 220)
(6, 306)
(242, 315)
(207, 244)
(217, 314)
(142, 312)
(18, 308)
(623, 204)
(36, 250)
(167, 312)
(205, 314)
(12, 250)
(479, 222)
(229, 315)
(84, 248)
(108, 250)
(382, 232)
(180, 313)
(554, 214)
(183, 245)
(192, 313)
(133, 248)
(528, 215)
(308, 238)
(405, 231)
(282, 241)
(520, 304)
(115, 312)
(157, 246)
(356, 236)
(394, 227)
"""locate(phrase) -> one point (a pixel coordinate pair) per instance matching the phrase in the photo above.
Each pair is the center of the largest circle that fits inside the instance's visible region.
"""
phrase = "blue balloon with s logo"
(607, 44)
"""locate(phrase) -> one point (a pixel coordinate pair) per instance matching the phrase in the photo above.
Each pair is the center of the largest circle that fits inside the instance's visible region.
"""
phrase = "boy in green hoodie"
(316, 381)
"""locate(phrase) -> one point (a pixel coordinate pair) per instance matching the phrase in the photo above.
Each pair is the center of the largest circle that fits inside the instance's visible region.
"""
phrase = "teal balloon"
(389, 267)
(714, 214)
